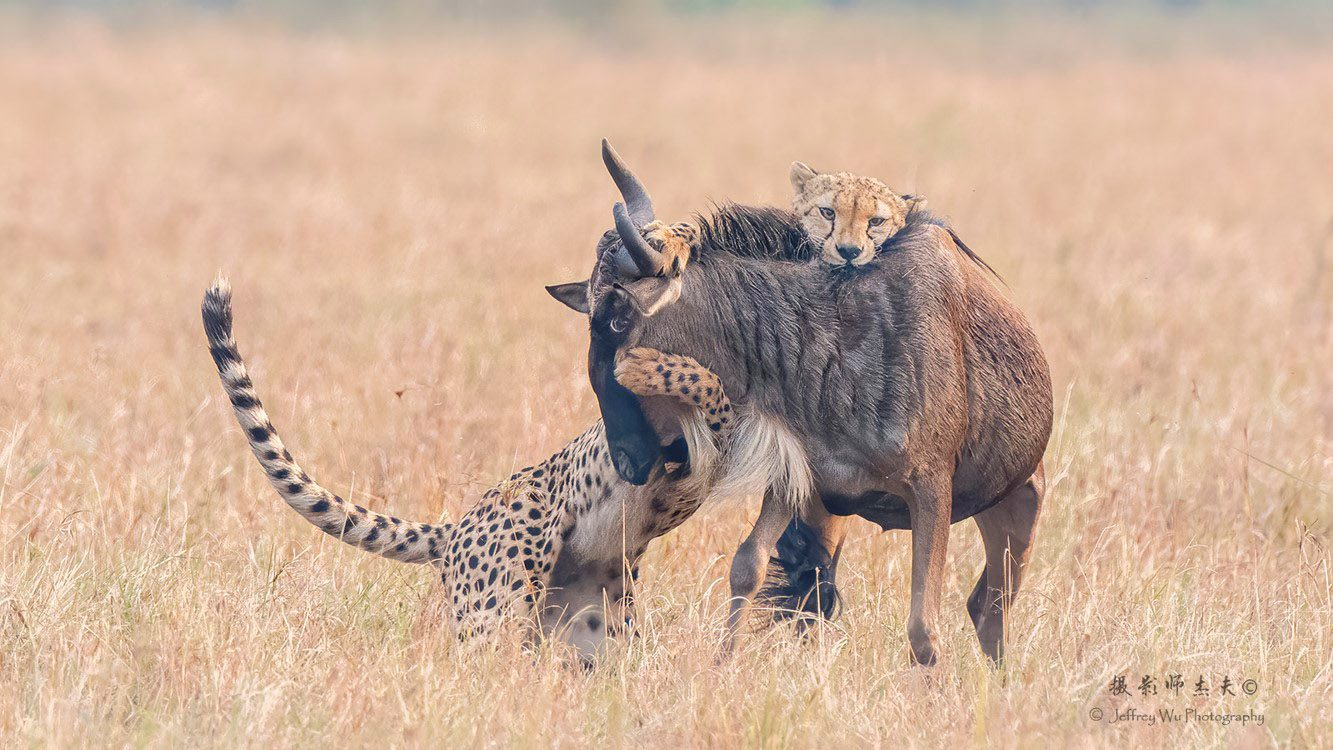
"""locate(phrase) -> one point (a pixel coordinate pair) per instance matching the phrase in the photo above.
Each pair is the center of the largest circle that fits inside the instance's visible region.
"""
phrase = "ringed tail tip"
(217, 309)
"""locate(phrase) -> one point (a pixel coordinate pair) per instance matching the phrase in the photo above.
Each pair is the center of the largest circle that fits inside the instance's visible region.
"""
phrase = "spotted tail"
(404, 541)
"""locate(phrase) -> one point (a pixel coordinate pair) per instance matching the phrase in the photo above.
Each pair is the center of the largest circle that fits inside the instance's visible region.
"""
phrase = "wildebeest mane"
(753, 232)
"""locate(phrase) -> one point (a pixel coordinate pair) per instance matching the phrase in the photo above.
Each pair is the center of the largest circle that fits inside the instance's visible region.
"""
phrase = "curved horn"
(635, 194)
(645, 257)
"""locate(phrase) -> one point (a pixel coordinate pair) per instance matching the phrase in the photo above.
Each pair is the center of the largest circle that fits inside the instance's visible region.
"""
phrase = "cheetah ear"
(800, 174)
(652, 293)
(573, 295)
(914, 202)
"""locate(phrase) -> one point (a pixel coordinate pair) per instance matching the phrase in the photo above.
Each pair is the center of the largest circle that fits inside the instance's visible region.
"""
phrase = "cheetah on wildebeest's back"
(555, 540)
(848, 216)
(851, 218)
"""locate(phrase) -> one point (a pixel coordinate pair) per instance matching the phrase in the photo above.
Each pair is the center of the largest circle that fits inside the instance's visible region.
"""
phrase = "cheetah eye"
(876, 221)
(827, 213)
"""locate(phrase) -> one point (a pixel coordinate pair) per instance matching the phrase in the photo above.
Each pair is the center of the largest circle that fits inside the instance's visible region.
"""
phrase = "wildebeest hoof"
(923, 646)
(924, 656)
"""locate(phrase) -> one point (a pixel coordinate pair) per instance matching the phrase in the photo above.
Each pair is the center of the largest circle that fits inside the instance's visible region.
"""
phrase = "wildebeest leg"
(830, 529)
(801, 580)
(748, 566)
(930, 506)
(1007, 531)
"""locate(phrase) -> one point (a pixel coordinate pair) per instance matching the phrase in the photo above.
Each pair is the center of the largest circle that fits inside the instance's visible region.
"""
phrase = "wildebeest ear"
(651, 294)
(914, 202)
(800, 174)
(573, 295)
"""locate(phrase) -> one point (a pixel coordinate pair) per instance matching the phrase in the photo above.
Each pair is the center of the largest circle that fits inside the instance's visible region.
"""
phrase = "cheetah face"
(848, 216)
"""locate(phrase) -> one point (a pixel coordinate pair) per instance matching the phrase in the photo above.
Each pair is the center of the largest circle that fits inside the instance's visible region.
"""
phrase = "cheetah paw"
(642, 370)
(674, 242)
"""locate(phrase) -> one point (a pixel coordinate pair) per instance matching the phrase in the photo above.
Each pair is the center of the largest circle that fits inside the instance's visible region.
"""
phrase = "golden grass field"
(388, 208)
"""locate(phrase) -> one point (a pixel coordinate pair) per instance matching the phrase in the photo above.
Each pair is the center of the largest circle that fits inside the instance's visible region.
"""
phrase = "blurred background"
(389, 185)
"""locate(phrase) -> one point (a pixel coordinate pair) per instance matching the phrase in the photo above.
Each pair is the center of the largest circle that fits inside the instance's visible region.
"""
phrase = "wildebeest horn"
(635, 194)
(648, 260)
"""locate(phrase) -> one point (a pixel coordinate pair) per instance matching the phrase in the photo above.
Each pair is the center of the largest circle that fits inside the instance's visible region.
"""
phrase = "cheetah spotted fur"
(554, 542)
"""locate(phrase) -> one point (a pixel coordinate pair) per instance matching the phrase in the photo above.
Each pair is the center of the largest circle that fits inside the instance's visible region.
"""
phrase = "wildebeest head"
(626, 285)
(633, 297)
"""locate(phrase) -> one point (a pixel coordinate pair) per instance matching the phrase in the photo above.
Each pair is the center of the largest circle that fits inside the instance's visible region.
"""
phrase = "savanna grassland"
(388, 207)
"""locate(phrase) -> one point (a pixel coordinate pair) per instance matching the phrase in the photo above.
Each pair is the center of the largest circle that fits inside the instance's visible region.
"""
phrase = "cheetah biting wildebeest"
(553, 543)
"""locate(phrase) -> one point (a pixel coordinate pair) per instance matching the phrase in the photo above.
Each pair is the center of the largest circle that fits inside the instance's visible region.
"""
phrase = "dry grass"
(388, 211)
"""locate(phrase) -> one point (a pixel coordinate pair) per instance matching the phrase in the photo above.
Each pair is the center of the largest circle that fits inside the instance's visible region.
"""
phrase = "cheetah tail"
(404, 541)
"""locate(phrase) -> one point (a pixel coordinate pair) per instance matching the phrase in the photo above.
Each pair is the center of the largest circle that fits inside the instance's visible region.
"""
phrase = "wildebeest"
(909, 392)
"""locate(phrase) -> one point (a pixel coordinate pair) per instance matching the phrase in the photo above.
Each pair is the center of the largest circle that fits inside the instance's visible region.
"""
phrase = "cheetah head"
(848, 215)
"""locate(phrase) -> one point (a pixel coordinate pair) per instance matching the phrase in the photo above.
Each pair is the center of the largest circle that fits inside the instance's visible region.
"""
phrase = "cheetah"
(849, 216)
(557, 544)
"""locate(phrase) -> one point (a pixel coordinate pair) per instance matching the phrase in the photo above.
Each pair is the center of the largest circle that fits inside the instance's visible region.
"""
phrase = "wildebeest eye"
(876, 221)
(827, 213)
(619, 324)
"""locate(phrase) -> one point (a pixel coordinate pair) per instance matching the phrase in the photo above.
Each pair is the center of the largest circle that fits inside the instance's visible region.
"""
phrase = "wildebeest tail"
(395, 539)
(971, 254)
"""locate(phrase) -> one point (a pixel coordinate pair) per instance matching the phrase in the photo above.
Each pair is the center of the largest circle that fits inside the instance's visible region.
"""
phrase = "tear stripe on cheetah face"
(850, 216)
(496, 562)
